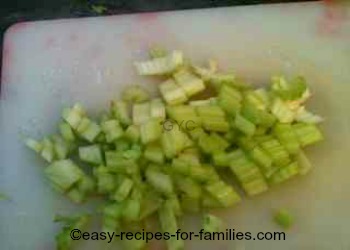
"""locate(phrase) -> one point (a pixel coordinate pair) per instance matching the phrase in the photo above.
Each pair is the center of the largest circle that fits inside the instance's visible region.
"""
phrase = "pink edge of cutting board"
(50, 64)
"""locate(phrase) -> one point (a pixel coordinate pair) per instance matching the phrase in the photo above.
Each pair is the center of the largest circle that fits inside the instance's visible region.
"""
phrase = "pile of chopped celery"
(144, 168)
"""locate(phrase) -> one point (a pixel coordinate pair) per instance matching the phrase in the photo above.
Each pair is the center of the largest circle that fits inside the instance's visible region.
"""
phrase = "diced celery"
(156, 52)
(212, 143)
(76, 196)
(154, 154)
(131, 211)
(112, 130)
(224, 193)
(135, 94)
(123, 190)
(190, 204)
(48, 151)
(160, 65)
(211, 223)
(287, 137)
(173, 142)
(283, 218)
(132, 133)
(157, 109)
(172, 93)
(247, 173)
(206, 102)
(89, 131)
(61, 147)
(118, 163)
(168, 223)
(307, 134)
(282, 112)
(188, 186)
(276, 151)
(209, 201)
(229, 99)
(160, 181)
(150, 131)
(64, 173)
(182, 113)
(121, 112)
(74, 115)
(244, 125)
(34, 145)
(302, 115)
(150, 203)
(105, 180)
(221, 159)
(188, 82)
(303, 162)
(66, 132)
(174, 203)
(215, 124)
(91, 154)
(284, 173)
(86, 185)
(210, 111)
(141, 113)
(257, 116)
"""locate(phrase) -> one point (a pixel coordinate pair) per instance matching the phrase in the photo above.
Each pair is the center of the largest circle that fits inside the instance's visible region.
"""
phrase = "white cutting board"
(51, 64)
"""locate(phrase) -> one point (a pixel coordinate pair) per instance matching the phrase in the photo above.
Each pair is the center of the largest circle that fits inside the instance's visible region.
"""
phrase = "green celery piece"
(302, 115)
(64, 173)
(303, 162)
(183, 114)
(61, 147)
(283, 218)
(205, 102)
(247, 143)
(276, 151)
(132, 133)
(224, 193)
(168, 223)
(157, 52)
(86, 185)
(285, 173)
(230, 99)
(221, 159)
(135, 94)
(134, 153)
(212, 143)
(264, 161)
(120, 111)
(154, 154)
(257, 99)
(282, 111)
(215, 124)
(285, 134)
(150, 131)
(91, 154)
(118, 163)
(123, 190)
(66, 132)
(48, 151)
(191, 84)
(188, 186)
(113, 210)
(157, 109)
(141, 113)
(110, 224)
(190, 204)
(203, 173)
(105, 180)
(76, 196)
(211, 223)
(150, 202)
(112, 130)
(210, 111)
(90, 132)
(161, 65)
(257, 116)
(196, 133)
(173, 142)
(247, 173)
(174, 203)
(122, 145)
(63, 238)
(307, 134)
(172, 93)
(160, 181)
(74, 115)
(244, 125)
(131, 210)
(209, 201)
(34, 145)
(180, 166)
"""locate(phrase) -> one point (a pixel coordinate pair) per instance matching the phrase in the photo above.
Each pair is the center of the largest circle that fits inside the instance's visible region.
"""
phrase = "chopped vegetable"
(170, 155)
(211, 223)
(283, 218)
